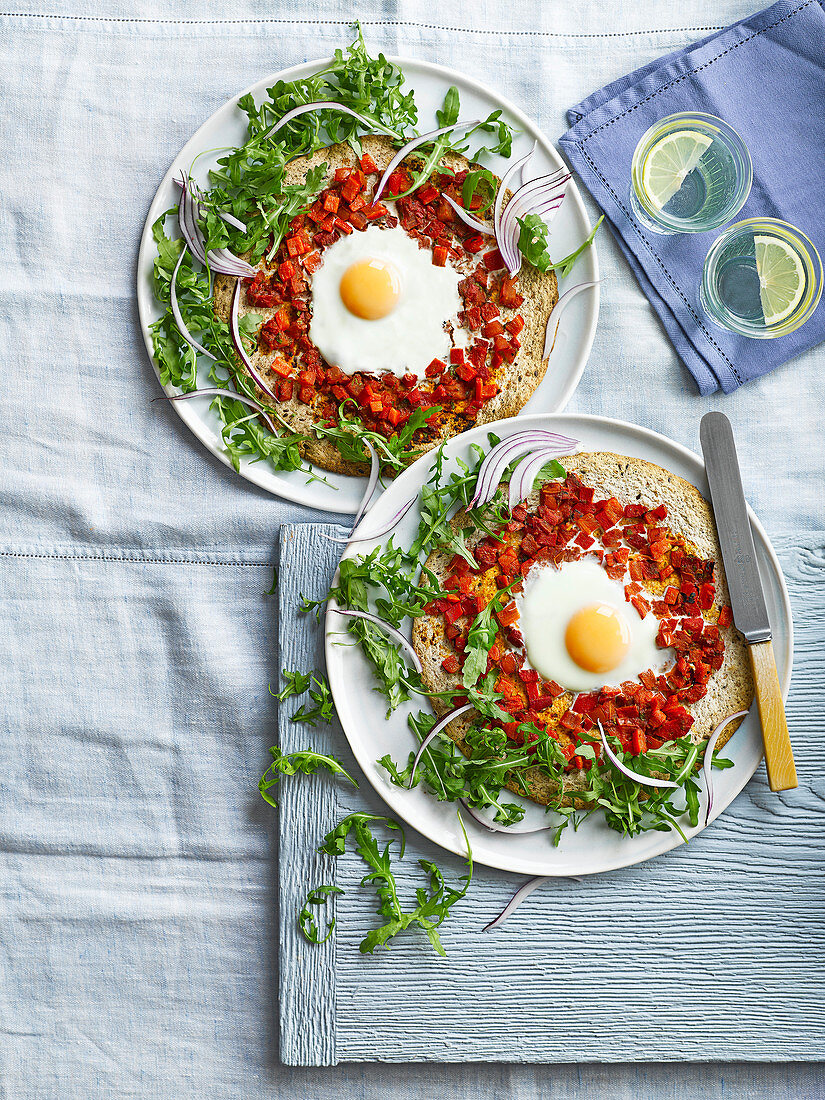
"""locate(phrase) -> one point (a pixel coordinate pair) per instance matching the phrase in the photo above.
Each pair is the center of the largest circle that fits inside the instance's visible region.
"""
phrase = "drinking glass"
(762, 278)
(691, 172)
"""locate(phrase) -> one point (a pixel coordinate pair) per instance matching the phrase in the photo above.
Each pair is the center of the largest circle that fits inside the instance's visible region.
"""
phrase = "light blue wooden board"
(711, 952)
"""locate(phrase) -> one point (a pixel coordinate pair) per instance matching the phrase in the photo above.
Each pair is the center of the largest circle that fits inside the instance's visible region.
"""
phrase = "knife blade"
(747, 600)
(750, 612)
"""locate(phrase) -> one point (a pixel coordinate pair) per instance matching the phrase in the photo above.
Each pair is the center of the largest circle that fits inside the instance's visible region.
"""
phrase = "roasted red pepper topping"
(385, 402)
(567, 524)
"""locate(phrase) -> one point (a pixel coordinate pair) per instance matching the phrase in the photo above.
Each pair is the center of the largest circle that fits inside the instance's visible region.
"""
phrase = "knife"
(747, 600)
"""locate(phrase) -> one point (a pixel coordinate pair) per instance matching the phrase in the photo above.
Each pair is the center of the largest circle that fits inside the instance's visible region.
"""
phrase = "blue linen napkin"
(765, 75)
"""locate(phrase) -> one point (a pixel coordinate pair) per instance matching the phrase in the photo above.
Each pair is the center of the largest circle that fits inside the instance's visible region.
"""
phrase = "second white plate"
(362, 710)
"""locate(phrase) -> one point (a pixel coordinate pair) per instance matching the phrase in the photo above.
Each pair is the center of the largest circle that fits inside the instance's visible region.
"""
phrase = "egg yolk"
(597, 638)
(370, 289)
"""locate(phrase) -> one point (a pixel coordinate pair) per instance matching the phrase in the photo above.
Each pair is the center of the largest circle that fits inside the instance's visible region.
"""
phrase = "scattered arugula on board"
(250, 183)
(433, 904)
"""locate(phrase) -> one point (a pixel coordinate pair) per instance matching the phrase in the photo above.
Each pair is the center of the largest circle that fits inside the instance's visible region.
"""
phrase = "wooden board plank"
(711, 952)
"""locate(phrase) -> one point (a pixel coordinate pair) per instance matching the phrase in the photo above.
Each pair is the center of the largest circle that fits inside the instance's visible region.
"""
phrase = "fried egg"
(580, 630)
(379, 303)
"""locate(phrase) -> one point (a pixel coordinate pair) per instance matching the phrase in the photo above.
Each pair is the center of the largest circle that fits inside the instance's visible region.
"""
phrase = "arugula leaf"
(532, 244)
(448, 114)
(296, 684)
(480, 179)
(306, 920)
(274, 587)
(305, 761)
(433, 905)
(481, 636)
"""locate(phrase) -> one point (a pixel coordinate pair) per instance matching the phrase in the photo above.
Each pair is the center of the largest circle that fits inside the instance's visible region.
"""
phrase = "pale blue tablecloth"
(137, 897)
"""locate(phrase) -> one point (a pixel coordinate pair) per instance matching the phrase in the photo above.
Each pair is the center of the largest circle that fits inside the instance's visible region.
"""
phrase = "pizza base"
(631, 481)
(517, 380)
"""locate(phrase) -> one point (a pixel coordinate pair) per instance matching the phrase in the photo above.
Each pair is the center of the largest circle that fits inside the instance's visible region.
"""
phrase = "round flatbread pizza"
(606, 593)
(396, 312)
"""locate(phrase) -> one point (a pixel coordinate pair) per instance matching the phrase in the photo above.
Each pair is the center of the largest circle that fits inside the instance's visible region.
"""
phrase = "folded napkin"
(766, 77)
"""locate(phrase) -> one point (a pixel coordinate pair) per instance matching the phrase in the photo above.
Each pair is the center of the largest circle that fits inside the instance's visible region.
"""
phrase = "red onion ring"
(555, 314)
(708, 758)
(330, 105)
(497, 461)
(236, 340)
(230, 219)
(541, 197)
(176, 313)
(405, 150)
(187, 220)
(502, 188)
(515, 901)
(493, 827)
(645, 780)
(396, 635)
(387, 527)
(215, 392)
(524, 476)
(468, 219)
(437, 728)
(221, 260)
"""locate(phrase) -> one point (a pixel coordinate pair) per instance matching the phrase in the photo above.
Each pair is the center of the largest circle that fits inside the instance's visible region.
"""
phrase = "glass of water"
(762, 278)
(691, 172)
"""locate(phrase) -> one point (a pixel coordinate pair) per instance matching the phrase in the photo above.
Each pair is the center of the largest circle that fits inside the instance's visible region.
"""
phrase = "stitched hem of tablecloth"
(348, 22)
(117, 558)
(631, 220)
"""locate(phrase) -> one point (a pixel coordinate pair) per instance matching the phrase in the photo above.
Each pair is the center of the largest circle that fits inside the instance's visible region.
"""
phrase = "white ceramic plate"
(430, 83)
(594, 847)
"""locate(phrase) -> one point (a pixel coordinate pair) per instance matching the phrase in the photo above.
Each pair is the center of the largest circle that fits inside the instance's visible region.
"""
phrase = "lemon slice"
(781, 278)
(669, 162)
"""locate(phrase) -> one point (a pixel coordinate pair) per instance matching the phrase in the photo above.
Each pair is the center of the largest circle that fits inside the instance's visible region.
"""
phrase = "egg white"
(552, 595)
(408, 339)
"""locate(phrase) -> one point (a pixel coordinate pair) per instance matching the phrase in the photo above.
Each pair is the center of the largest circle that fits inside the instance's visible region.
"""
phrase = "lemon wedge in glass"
(781, 278)
(669, 162)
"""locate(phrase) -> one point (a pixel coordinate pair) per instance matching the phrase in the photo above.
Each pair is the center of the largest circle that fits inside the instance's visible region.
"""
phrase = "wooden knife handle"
(778, 752)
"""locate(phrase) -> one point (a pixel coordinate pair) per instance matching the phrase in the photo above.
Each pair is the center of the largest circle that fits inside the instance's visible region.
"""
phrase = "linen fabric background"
(138, 915)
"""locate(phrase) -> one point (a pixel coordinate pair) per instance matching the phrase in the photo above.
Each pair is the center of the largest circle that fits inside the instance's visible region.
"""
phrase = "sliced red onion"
(383, 530)
(405, 150)
(330, 105)
(524, 476)
(542, 196)
(645, 780)
(230, 219)
(505, 179)
(187, 219)
(493, 467)
(468, 218)
(224, 262)
(555, 314)
(215, 392)
(515, 901)
(236, 340)
(396, 635)
(372, 481)
(176, 313)
(494, 827)
(221, 260)
(526, 177)
(437, 728)
(708, 759)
